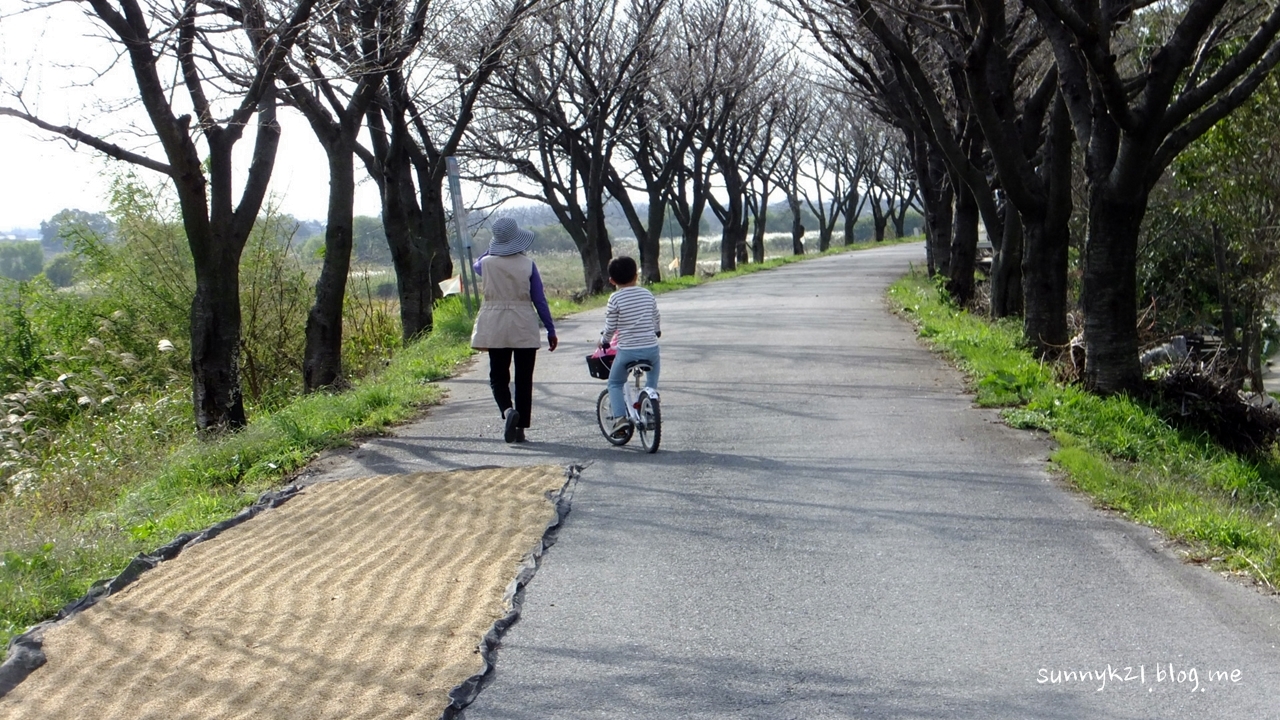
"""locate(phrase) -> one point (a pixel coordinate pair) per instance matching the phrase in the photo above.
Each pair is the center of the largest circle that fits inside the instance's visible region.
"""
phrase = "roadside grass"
(1224, 507)
(51, 558)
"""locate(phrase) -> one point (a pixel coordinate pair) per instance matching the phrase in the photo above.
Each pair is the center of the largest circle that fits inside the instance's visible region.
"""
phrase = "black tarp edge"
(26, 652)
(465, 694)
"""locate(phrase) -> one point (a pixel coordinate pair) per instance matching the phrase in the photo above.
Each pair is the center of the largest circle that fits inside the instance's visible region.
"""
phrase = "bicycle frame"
(643, 411)
(631, 393)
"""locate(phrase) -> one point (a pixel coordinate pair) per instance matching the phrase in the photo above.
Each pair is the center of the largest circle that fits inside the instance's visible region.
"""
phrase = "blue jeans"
(618, 375)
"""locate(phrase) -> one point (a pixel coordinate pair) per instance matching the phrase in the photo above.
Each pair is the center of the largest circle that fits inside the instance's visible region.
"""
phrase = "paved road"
(831, 530)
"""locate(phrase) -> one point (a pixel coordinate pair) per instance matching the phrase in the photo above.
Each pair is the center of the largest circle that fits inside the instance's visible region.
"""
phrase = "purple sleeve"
(477, 266)
(539, 297)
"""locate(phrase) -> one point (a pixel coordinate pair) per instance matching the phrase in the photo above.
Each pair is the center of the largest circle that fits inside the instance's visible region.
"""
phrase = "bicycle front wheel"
(604, 419)
(650, 423)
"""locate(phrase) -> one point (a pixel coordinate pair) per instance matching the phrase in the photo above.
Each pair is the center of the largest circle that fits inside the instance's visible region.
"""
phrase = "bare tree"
(1141, 84)
(744, 54)
(419, 118)
(340, 69)
(558, 112)
(771, 154)
(839, 159)
(973, 58)
(941, 138)
(855, 146)
(717, 38)
(1010, 85)
(799, 130)
(177, 39)
(891, 183)
(737, 160)
(661, 131)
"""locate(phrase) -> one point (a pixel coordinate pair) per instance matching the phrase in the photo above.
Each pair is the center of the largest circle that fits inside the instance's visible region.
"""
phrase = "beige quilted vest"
(507, 317)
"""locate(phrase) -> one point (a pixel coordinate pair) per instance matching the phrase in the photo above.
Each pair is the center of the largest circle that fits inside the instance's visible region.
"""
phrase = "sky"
(53, 58)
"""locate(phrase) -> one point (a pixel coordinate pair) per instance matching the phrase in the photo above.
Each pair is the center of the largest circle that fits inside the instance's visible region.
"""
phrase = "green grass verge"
(50, 561)
(1223, 506)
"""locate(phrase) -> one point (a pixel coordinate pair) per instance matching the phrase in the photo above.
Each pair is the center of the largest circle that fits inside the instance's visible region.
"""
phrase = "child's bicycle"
(642, 404)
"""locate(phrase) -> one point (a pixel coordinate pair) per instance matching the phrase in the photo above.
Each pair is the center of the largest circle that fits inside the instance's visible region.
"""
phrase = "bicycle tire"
(650, 423)
(603, 413)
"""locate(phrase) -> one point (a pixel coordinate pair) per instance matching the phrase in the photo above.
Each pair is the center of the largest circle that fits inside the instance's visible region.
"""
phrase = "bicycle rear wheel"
(604, 418)
(650, 423)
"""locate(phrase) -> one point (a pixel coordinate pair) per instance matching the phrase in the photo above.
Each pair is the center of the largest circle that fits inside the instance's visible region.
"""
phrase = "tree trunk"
(435, 224)
(900, 220)
(216, 234)
(1110, 289)
(850, 215)
(322, 359)
(938, 197)
(964, 247)
(1223, 275)
(1252, 346)
(825, 232)
(757, 231)
(1045, 287)
(797, 223)
(1006, 268)
(596, 281)
(735, 234)
(648, 233)
(649, 243)
(215, 336)
(1048, 245)
(731, 216)
(688, 211)
(598, 247)
(402, 220)
(688, 252)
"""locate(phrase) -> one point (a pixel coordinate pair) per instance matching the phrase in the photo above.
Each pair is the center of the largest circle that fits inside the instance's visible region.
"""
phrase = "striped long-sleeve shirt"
(633, 313)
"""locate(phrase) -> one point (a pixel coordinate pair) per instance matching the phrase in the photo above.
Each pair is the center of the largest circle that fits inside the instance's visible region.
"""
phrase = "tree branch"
(110, 149)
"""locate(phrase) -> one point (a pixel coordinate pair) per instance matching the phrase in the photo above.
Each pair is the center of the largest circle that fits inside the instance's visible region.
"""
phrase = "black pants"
(500, 379)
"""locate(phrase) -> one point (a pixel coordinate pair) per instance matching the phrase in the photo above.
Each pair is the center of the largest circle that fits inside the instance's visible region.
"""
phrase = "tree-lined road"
(831, 530)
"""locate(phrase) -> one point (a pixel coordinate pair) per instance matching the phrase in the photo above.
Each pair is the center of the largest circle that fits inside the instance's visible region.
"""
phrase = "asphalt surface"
(832, 530)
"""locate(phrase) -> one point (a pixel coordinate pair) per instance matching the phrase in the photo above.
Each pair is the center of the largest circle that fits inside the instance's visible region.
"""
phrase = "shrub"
(371, 326)
(61, 271)
(274, 300)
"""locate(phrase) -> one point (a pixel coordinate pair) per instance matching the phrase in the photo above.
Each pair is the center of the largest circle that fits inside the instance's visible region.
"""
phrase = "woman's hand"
(552, 343)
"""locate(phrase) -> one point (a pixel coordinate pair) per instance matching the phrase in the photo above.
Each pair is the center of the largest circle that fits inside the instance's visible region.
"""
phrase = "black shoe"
(512, 429)
(520, 435)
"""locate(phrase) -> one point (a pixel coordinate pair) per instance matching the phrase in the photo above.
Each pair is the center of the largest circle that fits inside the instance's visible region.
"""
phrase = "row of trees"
(205, 72)
(687, 108)
(681, 104)
(979, 112)
(1004, 101)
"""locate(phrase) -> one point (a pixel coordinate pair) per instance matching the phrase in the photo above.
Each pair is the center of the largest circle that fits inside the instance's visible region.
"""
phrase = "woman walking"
(507, 326)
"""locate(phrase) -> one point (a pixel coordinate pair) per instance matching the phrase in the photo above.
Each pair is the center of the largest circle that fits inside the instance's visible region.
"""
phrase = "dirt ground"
(355, 599)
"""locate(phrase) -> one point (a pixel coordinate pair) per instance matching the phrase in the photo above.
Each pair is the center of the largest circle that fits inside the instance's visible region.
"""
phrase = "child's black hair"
(622, 270)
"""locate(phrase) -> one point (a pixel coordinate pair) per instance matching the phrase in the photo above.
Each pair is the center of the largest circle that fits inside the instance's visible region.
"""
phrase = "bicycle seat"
(642, 364)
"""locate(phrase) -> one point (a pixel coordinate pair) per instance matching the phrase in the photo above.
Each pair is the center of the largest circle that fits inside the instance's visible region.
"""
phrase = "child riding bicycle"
(632, 314)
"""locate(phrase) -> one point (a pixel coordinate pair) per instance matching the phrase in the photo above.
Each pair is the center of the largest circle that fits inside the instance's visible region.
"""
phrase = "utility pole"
(462, 238)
